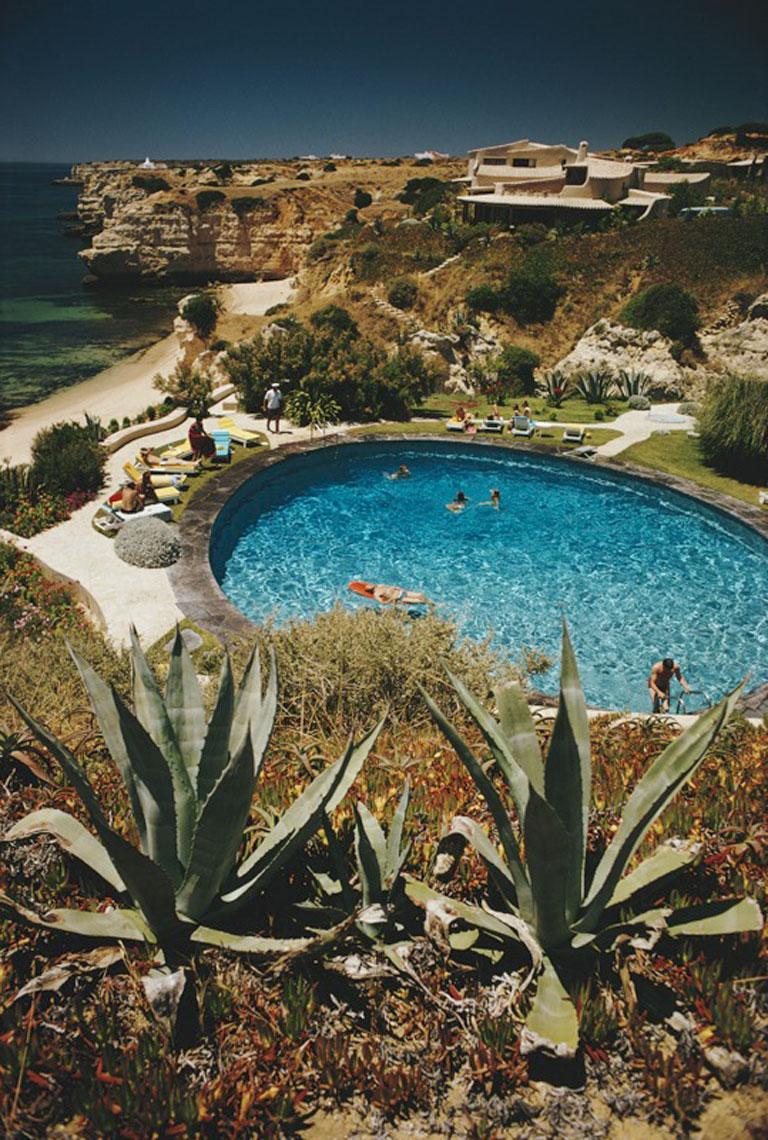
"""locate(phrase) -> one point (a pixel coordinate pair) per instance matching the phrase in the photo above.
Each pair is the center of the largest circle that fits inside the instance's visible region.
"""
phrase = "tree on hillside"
(653, 140)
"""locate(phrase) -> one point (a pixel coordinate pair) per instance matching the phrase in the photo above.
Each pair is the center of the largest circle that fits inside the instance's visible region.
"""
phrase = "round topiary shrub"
(149, 543)
(639, 403)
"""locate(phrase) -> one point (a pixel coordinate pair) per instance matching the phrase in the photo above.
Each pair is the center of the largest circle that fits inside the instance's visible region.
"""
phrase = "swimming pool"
(640, 572)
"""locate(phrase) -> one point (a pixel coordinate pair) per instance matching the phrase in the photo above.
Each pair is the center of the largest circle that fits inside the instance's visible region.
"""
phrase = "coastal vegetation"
(374, 1019)
(66, 471)
(733, 427)
(668, 309)
(202, 311)
(331, 359)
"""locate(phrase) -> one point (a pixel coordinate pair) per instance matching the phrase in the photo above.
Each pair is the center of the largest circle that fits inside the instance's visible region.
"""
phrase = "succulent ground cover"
(341, 1035)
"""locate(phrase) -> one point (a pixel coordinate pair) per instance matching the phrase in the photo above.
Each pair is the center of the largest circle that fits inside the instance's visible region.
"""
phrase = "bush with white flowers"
(149, 543)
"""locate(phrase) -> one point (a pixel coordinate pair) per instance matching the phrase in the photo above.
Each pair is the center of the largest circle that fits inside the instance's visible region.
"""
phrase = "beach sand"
(126, 388)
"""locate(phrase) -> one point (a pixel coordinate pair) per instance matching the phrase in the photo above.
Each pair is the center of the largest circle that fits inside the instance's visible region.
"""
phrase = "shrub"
(533, 233)
(631, 383)
(149, 183)
(508, 374)
(67, 457)
(334, 319)
(125, 422)
(639, 403)
(27, 517)
(689, 408)
(361, 199)
(149, 543)
(113, 426)
(734, 427)
(402, 293)
(424, 194)
(320, 249)
(329, 167)
(188, 387)
(653, 140)
(207, 198)
(357, 374)
(530, 294)
(303, 176)
(202, 311)
(669, 309)
(482, 299)
(30, 604)
(243, 206)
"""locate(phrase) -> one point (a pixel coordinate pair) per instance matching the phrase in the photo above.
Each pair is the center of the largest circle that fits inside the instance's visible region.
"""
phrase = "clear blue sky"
(98, 79)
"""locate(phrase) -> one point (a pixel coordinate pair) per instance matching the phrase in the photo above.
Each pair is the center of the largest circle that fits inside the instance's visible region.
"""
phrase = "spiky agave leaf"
(371, 854)
(184, 702)
(215, 751)
(568, 773)
(143, 767)
(669, 772)
(496, 807)
(395, 855)
(548, 854)
(668, 859)
(123, 924)
(153, 715)
(146, 882)
(295, 826)
(711, 919)
(552, 1025)
(72, 837)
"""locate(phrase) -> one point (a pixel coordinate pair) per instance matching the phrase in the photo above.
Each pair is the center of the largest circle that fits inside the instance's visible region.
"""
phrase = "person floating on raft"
(389, 595)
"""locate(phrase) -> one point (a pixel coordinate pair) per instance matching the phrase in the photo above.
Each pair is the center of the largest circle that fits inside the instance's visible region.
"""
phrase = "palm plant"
(555, 387)
(549, 906)
(596, 386)
(631, 383)
(190, 787)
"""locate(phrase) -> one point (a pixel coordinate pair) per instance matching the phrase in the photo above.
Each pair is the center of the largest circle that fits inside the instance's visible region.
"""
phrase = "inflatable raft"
(388, 595)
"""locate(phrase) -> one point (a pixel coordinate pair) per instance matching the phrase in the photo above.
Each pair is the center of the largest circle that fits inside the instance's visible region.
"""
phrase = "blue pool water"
(640, 572)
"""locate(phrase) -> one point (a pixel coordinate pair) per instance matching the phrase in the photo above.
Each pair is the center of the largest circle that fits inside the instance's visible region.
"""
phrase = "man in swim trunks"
(658, 683)
(459, 503)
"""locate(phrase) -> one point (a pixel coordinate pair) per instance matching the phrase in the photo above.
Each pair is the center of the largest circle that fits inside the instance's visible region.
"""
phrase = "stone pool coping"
(201, 599)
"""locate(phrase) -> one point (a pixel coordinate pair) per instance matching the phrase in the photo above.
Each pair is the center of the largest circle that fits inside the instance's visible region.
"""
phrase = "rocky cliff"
(197, 223)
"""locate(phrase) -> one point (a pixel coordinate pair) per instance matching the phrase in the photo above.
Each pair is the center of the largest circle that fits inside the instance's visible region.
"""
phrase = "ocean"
(53, 332)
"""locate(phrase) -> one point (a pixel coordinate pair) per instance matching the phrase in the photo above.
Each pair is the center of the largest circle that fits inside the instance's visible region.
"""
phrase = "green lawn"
(552, 437)
(678, 454)
(574, 410)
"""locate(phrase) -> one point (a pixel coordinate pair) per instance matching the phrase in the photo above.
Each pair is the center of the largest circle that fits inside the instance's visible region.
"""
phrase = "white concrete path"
(637, 426)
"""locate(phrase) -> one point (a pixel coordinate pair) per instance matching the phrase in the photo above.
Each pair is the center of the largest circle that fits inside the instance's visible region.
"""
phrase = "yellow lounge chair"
(239, 434)
(157, 478)
(164, 494)
(175, 467)
(455, 425)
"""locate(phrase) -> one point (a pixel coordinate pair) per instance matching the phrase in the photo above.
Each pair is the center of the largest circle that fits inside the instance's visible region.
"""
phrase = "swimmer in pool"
(494, 501)
(459, 503)
(401, 473)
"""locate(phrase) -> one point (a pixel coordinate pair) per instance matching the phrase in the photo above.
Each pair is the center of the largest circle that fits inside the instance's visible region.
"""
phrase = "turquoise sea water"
(640, 572)
(53, 332)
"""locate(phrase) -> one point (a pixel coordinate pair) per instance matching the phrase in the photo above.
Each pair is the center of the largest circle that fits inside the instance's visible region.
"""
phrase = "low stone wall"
(174, 418)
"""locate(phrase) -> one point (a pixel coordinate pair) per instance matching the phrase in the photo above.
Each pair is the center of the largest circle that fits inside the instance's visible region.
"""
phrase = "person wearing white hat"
(273, 405)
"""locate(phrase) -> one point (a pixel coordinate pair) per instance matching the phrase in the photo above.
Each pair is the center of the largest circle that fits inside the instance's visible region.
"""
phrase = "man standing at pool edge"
(658, 683)
(273, 403)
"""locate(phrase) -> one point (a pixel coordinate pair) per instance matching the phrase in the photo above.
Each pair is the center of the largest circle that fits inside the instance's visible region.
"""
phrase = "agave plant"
(550, 907)
(190, 787)
(596, 387)
(631, 383)
(370, 894)
(555, 387)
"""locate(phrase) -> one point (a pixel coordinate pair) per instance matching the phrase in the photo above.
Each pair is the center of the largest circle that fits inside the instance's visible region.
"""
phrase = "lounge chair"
(223, 441)
(490, 423)
(155, 510)
(573, 435)
(455, 425)
(521, 425)
(181, 450)
(239, 434)
(158, 479)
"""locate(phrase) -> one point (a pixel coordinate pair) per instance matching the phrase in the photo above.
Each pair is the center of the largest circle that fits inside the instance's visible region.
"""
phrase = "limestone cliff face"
(177, 225)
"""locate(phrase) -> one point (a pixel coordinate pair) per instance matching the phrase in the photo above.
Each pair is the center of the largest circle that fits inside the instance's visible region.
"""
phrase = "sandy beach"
(126, 388)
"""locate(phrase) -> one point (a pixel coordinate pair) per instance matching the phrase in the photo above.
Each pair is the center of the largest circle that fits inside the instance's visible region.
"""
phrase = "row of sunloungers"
(168, 478)
(521, 426)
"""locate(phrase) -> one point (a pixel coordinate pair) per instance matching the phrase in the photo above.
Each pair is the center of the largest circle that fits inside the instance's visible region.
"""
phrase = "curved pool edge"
(201, 599)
